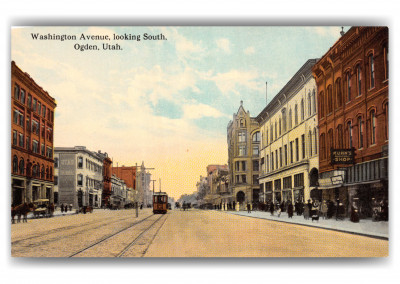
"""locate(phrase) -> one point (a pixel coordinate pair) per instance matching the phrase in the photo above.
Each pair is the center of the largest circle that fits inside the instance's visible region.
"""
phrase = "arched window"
(338, 90)
(371, 71)
(284, 120)
(329, 99)
(28, 168)
(42, 172)
(330, 142)
(280, 126)
(309, 103)
(290, 119)
(21, 166)
(302, 109)
(34, 170)
(47, 173)
(310, 143)
(360, 133)
(315, 141)
(296, 115)
(359, 79)
(321, 103)
(349, 135)
(15, 164)
(314, 101)
(272, 132)
(323, 147)
(348, 81)
(373, 127)
(256, 137)
(386, 60)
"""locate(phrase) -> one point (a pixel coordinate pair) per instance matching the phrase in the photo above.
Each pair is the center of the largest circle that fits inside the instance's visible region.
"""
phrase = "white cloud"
(229, 81)
(195, 111)
(249, 50)
(326, 31)
(224, 44)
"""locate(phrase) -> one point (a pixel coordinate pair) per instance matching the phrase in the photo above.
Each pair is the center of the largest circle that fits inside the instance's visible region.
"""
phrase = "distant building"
(289, 155)
(143, 186)
(119, 196)
(217, 184)
(78, 176)
(32, 131)
(107, 172)
(353, 114)
(243, 157)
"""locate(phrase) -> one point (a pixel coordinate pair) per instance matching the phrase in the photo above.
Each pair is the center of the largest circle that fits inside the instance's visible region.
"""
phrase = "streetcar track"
(58, 230)
(144, 252)
(141, 235)
(109, 236)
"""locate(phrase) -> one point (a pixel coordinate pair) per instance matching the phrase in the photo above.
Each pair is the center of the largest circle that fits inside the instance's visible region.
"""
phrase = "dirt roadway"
(216, 234)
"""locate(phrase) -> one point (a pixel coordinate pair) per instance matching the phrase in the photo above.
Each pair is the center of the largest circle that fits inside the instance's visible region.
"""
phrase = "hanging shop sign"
(342, 156)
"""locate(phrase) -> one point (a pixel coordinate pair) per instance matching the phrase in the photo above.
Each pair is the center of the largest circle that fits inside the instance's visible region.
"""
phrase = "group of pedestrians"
(65, 207)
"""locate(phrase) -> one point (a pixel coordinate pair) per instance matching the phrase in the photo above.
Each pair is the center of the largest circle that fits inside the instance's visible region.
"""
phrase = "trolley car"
(160, 202)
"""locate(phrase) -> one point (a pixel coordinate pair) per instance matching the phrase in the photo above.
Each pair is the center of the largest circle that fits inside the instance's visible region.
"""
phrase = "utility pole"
(153, 180)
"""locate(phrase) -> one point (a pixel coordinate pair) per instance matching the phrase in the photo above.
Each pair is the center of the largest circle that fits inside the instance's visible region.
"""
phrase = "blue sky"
(164, 102)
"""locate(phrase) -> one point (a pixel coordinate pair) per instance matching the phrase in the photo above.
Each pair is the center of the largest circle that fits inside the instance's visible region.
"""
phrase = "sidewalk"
(365, 227)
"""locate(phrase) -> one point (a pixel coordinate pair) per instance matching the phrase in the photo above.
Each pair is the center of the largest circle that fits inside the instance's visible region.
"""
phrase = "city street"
(192, 233)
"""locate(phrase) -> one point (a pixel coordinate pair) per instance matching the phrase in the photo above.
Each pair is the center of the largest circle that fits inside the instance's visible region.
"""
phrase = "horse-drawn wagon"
(43, 208)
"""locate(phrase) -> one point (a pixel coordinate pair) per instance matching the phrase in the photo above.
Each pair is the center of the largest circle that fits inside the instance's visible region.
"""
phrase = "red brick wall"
(352, 50)
(28, 85)
(128, 174)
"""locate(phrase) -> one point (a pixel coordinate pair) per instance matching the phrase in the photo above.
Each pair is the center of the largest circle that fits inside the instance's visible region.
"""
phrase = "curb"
(318, 227)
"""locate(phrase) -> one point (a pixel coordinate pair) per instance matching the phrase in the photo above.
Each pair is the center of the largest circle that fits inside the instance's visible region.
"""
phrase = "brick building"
(107, 173)
(353, 81)
(32, 129)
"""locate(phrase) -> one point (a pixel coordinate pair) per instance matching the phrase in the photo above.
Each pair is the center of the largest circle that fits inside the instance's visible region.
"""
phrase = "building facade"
(107, 172)
(78, 176)
(216, 185)
(119, 193)
(143, 186)
(32, 131)
(353, 82)
(243, 137)
(289, 140)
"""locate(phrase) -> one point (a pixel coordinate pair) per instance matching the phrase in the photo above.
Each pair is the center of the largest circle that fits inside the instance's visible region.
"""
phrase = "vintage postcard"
(185, 141)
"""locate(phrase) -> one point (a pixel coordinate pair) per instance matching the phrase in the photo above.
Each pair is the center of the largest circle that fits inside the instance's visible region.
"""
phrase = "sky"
(164, 102)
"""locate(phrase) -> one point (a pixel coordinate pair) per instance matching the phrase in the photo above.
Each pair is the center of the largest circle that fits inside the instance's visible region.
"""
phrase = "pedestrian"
(354, 217)
(290, 210)
(340, 211)
(324, 209)
(306, 212)
(248, 208)
(70, 207)
(271, 208)
(279, 211)
(65, 208)
(62, 207)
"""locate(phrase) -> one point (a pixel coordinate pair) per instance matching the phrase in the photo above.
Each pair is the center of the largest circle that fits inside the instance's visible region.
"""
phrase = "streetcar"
(160, 202)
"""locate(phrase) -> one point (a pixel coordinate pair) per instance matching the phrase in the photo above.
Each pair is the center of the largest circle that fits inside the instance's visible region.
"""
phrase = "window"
(302, 109)
(15, 137)
(56, 162)
(21, 166)
(360, 133)
(256, 137)
(242, 136)
(291, 152)
(386, 61)
(16, 92)
(321, 106)
(256, 166)
(287, 182)
(373, 127)
(314, 102)
(272, 132)
(272, 161)
(280, 157)
(55, 180)
(28, 143)
(21, 140)
(244, 166)
(296, 115)
(277, 184)
(242, 150)
(290, 119)
(44, 111)
(309, 103)
(15, 164)
(255, 151)
(297, 149)
(276, 130)
(35, 146)
(79, 180)
(348, 86)
(80, 162)
(39, 108)
(286, 155)
(29, 101)
(371, 71)
(242, 123)
(255, 179)
(299, 180)
(329, 142)
(323, 148)
(43, 149)
(35, 127)
(22, 96)
(34, 104)
(267, 163)
(42, 172)
(329, 99)
(310, 143)
(16, 116)
(244, 179)
(284, 120)
(338, 90)
(280, 127)
(315, 141)
(350, 134)
(340, 137)
(276, 158)
(303, 146)
(358, 80)
(49, 152)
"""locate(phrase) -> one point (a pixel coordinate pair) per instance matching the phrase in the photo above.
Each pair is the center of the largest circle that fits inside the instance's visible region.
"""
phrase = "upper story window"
(348, 79)
(386, 61)
(241, 136)
(314, 102)
(276, 130)
(340, 136)
(321, 106)
(44, 111)
(79, 180)
(329, 99)
(373, 127)
(290, 119)
(360, 133)
(280, 126)
(80, 162)
(296, 115)
(56, 162)
(16, 92)
(29, 101)
(242, 150)
(350, 134)
(22, 98)
(242, 123)
(338, 90)
(34, 105)
(257, 137)
(309, 103)
(39, 108)
(371, 71)
(255, 151)
(302, 110)
(359, 80)
(284, 120)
